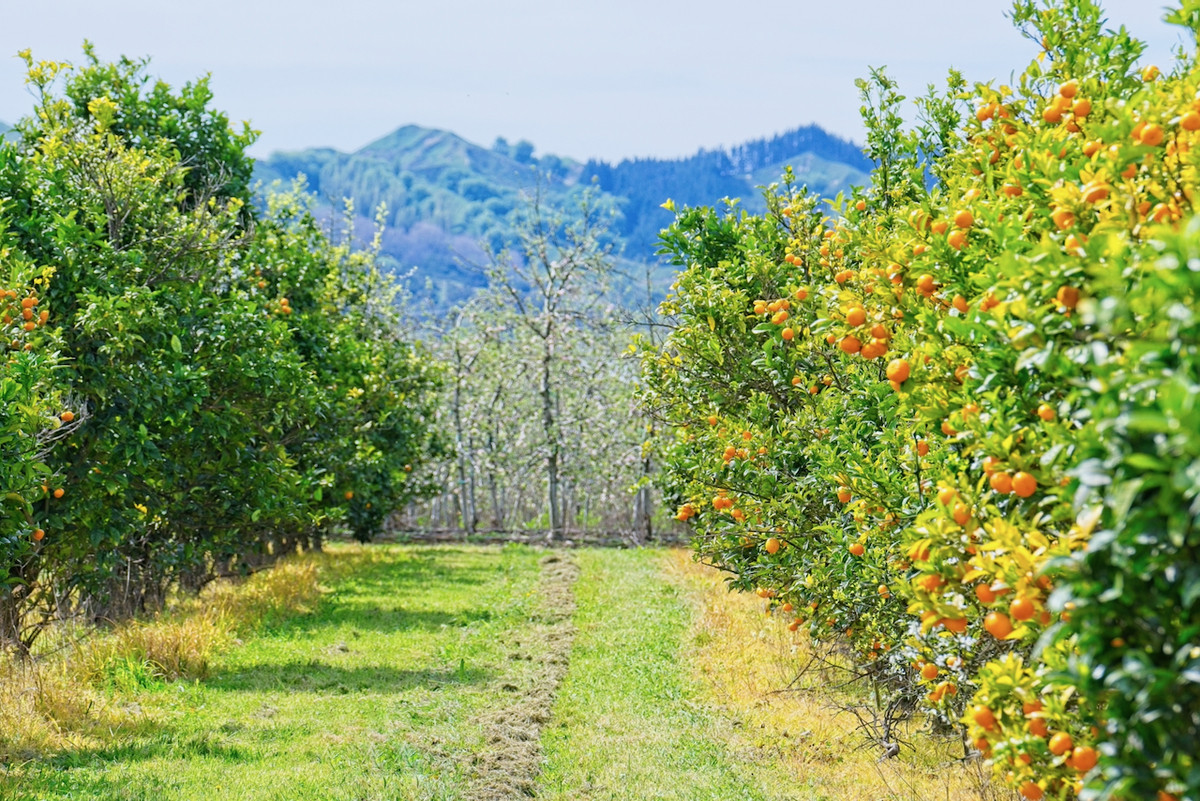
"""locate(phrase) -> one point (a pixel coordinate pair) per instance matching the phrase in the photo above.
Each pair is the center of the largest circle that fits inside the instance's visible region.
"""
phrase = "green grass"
(630, 721)
(382, 693)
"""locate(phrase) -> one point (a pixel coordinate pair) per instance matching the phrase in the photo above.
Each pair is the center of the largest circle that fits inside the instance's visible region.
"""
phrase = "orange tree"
(242, 383)
(32, 419)
(956, 423)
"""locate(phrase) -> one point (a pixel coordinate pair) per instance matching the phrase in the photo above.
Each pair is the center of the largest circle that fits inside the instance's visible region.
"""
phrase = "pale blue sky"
(580, 78)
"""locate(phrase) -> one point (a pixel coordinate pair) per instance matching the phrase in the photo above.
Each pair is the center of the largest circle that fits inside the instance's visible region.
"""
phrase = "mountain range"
(449, 200)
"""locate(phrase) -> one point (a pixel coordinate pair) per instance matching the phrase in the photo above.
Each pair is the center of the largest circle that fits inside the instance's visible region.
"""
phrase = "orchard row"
(958, 423)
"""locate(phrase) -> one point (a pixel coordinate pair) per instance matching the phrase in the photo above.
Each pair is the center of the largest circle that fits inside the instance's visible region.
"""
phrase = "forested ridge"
(446, 196)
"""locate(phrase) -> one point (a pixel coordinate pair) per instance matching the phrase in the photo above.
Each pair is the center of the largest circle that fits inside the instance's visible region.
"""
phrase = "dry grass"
(746, 658)
(50, 702)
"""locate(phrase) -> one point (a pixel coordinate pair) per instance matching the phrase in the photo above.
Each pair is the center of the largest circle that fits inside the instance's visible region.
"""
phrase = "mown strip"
(630, 720)
(382, 693)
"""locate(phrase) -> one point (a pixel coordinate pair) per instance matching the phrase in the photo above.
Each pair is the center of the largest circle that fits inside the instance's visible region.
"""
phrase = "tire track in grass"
(508, 767)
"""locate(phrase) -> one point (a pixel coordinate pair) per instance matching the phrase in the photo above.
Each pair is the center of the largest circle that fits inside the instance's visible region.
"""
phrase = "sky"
(607, 79)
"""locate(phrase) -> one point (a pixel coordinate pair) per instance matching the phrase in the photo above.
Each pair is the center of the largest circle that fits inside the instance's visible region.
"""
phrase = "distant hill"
(4, 129)
(445, 196)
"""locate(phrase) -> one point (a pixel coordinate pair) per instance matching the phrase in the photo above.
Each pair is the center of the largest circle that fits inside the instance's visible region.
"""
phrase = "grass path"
(482, 674)
(630, 721)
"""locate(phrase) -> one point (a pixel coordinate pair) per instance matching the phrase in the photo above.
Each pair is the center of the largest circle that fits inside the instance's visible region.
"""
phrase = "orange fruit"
(856, 316)
(787, 334)
(58, 493)
(1032, 790)
(964, 219)
(957, 239)
(1021, 609)
(898, 371)
(801, 294)
(1024, 484)
(1150, 73)
(349, 494)
(1082, 107)
(1037, 727)
(1084, 758)
(922, 448)
(38, 534)
(1069, 89)
(930, 671)
(983, 717)
(1152, 135)
(1061, 743)
(1067, 297)
(850, 344)
(884, 592)
(1001, 482)
(67, 416)
(857, 549)
(984, 593)
(960, 303)
(998, 625)
(1190, 121)
(961, 514)
(772, 546)
(844, 495)
(946, 495)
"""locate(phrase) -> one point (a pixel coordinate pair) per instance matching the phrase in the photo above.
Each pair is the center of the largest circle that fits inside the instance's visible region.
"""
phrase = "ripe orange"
(38, 534)
(898, 371)
(1150, 73)
(957, 625)
(1024, 484)
(58, 493)
(857, 549)
(850, 344)
(772, 546)
(922, 448)
(1069, 88)
(1037, 727)
(712, 419)
(957, 239)
(1046, 412)
(1001, 483)
(964, 219)
(946, 495)
(349, 494)
(67, 416)
(787, 334)
(961, 514)
(801, 294)
(884, 592)
(1021, 609)
(984, 717)
(856, 316)
(939, 227)
(1152, 135)
(1084, 758)
(1067, 297)
(1061, 743)
(960, 303)
(983, 592)
(930, 671)
(998, 625)
(844, 495)
(1032, 790)
(1190, 121)
(1082, 107)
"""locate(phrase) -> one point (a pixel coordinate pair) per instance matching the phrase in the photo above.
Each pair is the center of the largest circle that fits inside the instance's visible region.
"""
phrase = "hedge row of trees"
(956, 426)
(192, 385)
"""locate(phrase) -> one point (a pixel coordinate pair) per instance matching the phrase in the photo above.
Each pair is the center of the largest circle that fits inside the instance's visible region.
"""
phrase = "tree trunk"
(552, 455)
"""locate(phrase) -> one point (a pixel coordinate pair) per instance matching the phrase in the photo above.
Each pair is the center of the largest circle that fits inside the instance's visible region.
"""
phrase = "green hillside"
(447, 198)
